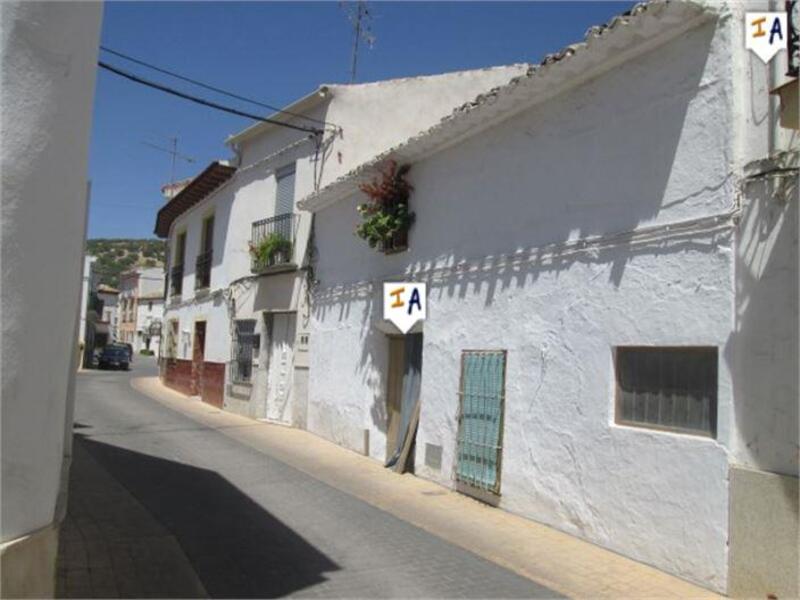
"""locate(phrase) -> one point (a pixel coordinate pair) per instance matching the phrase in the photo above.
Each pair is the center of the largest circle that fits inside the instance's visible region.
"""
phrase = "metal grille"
(244, 342)
(480, 424)
(202, 277)
(280, 226)
(176, 280)
(668, 388)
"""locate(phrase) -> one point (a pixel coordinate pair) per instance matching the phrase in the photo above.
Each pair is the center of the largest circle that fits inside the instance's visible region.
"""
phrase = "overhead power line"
(208, 86)
(203, 101)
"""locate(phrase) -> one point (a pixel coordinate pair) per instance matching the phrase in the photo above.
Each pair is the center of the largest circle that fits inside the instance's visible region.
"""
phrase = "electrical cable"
(202, 101)
(210, 87)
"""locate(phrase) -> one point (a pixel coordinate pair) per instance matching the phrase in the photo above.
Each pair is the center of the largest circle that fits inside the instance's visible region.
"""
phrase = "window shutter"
(284, 203)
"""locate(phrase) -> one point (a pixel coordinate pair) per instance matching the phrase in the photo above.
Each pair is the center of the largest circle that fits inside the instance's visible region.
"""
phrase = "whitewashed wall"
(373, 117)
(48, 73)
(649, 143)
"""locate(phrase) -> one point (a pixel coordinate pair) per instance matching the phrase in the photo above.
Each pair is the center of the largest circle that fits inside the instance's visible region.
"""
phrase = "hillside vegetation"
(117, 255)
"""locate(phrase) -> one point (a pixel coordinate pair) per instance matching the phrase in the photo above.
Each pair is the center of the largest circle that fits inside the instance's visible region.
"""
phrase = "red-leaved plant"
(385, 215)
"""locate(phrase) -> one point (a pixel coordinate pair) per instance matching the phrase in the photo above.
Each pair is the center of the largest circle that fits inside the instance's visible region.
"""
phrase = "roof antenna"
(173, 151)
(361, 18)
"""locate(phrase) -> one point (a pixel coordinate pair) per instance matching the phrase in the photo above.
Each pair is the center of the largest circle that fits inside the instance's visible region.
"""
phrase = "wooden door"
(198, 357)
(394, 391)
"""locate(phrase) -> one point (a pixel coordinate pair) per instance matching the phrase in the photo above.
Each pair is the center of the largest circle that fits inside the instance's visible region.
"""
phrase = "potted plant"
(386, 218)
(270, 250)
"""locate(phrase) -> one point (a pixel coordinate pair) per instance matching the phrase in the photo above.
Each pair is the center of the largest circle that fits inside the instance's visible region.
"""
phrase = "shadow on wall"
(762, 352)
(238, 549)
(598, 161)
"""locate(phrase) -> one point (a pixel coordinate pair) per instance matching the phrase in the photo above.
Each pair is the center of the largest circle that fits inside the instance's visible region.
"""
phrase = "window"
(480, 421)
(672, 388)
(203, 265)
(246, 345)
(176, 273)
(150, 306)
(284, 200)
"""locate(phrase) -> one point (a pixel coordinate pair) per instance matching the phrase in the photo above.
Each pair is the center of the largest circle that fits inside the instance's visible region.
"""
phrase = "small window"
(671, 388)
(244, 341)
(149, 307)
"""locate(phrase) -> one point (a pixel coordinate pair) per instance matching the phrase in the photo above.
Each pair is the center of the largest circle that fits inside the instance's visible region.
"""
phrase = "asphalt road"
(252, 526)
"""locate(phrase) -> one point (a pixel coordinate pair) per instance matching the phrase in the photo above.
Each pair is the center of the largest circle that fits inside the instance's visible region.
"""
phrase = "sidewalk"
(110, 546)
(556, 560)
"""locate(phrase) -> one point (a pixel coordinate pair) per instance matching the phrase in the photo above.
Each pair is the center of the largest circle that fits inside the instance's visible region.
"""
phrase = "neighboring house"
(235, 325)
(140, 285)
(610, 248)
(149, 315)
(49, 61)
(109, 297)
(88, 311)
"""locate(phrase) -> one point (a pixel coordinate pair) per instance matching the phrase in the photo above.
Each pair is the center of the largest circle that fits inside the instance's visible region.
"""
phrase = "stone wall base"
(28, 565)
(763, 555)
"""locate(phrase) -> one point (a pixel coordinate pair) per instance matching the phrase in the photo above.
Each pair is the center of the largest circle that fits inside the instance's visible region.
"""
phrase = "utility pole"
(361, 20)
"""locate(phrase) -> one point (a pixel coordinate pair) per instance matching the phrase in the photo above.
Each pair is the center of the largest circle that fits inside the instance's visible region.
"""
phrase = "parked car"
(129, 348)
(114, 357)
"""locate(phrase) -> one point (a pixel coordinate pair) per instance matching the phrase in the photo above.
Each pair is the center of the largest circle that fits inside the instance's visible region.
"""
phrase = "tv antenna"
(173, 152)
(361, 19)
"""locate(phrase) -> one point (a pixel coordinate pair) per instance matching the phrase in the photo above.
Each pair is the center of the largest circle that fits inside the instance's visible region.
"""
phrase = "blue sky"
(277, 52)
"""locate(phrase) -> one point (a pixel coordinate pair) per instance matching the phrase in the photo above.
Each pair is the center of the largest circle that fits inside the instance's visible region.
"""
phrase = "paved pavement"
(147, 480)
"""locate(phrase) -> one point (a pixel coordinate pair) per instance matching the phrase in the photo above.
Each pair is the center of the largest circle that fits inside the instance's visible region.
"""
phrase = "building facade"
(140, 290)
(48, 69)
(236, 319)
(109, 296)
(610, 250)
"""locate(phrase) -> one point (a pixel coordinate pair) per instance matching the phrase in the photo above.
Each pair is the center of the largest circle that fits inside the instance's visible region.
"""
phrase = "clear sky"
(276, 52)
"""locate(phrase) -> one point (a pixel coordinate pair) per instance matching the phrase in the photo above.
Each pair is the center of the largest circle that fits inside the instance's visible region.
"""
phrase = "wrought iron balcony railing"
(202, 272)
(272, 243)
(176, 280)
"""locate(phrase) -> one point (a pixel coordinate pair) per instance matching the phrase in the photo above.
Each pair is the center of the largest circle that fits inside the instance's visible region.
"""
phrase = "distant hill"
(117, 255)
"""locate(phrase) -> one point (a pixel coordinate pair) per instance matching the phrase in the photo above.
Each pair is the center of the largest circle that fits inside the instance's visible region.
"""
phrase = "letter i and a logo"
(404, 303)
(765, 33)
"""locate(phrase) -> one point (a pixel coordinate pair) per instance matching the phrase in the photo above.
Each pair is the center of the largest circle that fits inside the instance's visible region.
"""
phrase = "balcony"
(176, 281)
(202, 272)
(272, 244)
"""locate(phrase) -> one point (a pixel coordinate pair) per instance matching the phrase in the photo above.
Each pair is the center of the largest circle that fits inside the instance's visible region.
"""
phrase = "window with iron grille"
(245, 348)
(670, 388)
(480, 422)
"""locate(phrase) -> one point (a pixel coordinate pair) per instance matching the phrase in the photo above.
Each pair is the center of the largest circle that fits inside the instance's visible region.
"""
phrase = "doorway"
(198, 357)
(402, 400)
(280, 366)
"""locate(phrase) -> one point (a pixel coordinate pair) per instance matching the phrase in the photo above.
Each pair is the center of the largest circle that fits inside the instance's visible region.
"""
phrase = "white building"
(49, 54)
(610, 248)
(236, 326)
(141, 293)
(149, 316)
(110, 297)
(88, 317)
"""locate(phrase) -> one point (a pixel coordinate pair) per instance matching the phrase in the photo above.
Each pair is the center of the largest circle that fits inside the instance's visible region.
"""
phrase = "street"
(246, 524)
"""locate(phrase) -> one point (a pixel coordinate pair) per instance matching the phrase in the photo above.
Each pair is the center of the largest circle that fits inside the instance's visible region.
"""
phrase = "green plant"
(385, 216)
(146, 352)
(265, 251)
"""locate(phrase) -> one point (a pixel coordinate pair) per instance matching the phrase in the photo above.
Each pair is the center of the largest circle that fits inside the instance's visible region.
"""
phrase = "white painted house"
(236, 325)
(49, 56)
(140, 302)
(610, 248)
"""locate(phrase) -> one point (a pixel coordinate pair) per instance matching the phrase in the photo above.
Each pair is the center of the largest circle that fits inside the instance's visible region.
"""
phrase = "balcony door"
(280, 370)
(284, 200)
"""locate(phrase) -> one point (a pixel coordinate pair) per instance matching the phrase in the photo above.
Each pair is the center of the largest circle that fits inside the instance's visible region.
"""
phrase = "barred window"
(671, 388)
(245, 347)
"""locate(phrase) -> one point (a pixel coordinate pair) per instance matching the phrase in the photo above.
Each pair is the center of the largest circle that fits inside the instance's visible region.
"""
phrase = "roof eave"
(305, 103)
(594, 57)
